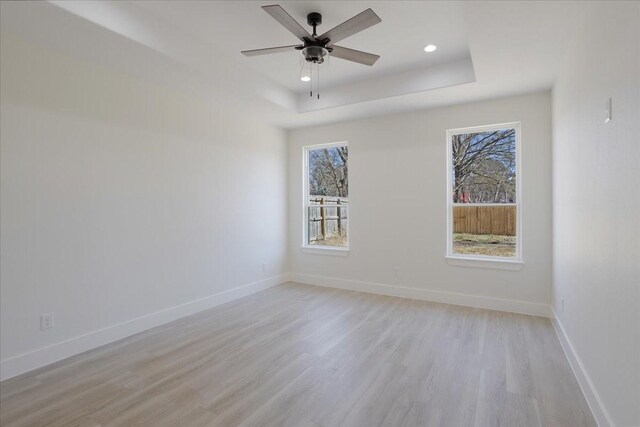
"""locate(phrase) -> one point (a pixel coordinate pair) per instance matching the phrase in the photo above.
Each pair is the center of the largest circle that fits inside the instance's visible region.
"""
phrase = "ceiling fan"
(315, 47)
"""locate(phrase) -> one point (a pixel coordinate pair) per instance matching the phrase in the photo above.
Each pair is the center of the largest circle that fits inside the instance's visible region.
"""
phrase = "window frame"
(319, 249)
(509, 263)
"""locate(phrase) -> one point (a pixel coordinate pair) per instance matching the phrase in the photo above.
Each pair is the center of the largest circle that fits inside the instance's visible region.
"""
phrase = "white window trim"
(326, 250)
(318, 249)
(503, 263)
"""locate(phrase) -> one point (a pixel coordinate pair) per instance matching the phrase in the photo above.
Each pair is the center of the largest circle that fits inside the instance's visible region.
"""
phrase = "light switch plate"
(607, 111)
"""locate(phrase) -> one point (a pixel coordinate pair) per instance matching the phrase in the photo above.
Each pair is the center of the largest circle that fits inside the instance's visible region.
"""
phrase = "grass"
(463, 243)
(484, 244)
(335, 240)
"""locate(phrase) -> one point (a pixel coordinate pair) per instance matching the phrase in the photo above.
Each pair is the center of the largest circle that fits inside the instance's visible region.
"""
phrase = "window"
(326, 196)
(483, 193)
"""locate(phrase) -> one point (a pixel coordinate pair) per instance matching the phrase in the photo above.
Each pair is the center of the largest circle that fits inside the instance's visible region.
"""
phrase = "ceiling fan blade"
(360, 22)
(268, 50)
(354, 55)
(281, 15)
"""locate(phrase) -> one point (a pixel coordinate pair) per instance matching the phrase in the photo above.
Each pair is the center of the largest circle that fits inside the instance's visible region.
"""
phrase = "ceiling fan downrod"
(314, 19)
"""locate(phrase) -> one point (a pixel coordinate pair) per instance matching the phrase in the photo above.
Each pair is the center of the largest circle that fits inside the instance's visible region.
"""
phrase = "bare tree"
(329, 172)
(484, 167)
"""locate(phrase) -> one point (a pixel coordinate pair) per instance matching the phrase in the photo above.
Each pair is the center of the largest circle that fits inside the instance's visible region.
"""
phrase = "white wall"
(121, 198)
(397, 182)
(596, 208)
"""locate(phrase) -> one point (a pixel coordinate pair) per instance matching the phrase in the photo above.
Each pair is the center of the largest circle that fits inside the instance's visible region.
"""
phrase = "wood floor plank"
(304, 356)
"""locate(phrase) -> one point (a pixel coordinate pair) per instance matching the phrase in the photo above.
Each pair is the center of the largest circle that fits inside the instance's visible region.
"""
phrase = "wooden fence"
(327, 218)
(485, 220)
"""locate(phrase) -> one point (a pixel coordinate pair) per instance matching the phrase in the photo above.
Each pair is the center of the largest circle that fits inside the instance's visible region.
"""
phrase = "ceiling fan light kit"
(316, 48)
(314, 54)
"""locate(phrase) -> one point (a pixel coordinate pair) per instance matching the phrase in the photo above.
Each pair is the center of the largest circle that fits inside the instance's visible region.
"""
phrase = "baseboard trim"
(499, 304)
(599, 411)
(29, 361)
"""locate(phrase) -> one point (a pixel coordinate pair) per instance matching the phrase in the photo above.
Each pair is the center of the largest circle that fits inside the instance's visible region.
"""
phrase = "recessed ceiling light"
(305, 78)
(430, 48)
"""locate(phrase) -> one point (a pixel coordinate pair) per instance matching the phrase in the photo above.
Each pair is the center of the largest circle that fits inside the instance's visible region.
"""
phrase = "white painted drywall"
(596, 206)
(397, 184)
(121, 198)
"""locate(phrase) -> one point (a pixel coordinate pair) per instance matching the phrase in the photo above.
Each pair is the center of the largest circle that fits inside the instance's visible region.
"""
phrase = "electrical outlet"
(562, 305)
(396, 271)
(46, 321)
(264, 267)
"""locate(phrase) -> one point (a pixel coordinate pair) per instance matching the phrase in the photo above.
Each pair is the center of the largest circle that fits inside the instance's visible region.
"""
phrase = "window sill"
(497, 264)
(325, 250)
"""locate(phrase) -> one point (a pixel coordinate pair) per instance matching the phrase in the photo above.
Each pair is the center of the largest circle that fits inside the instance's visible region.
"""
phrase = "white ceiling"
(405, 29)
(485, 50)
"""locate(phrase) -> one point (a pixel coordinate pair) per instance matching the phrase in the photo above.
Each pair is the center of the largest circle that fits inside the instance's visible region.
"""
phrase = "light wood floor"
(303, 356)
